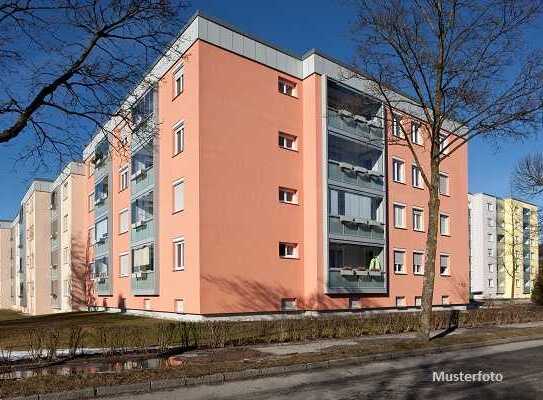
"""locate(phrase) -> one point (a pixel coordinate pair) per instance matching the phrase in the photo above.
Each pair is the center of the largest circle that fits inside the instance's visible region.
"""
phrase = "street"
(521, 365)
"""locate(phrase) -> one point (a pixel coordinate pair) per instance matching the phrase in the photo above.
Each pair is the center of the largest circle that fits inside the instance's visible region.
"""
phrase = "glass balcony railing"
(355, 125)
(101, 207)
(356, 227)
(103, 285)
(142, 181)
(358, 281)
(101, 247)
(142, 231)
(349, 174)
(144, 283)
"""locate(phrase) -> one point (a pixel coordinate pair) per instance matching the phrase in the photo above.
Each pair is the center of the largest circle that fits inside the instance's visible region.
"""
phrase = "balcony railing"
(356, 281)
(356, 176)
(355, 125)
(101, 247)
(142, 181)
(101, 207)
(356, 227)
(144, 283)
(142, 231)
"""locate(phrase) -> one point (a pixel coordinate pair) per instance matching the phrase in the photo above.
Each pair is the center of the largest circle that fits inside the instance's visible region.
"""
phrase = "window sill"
(289, 258)
(178, 269)
(124, 276)
(123, 232)
(288, 203)
(445, 275)
(122, 190)
(418, 187)
(418, 273)
(445, 234)
(176, 154)
(177, 95)
(419, 230)
(401, 227)
(177, 212)
(401, 183)
(289, 149)
(445, 194)
(400, 273)
(288, 95)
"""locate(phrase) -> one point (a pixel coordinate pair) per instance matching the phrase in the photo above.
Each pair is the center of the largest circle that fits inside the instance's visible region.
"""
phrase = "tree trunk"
(425, 327)
(513, 281)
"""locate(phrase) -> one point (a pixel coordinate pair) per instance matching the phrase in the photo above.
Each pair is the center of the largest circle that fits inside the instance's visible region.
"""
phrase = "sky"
(297, 26)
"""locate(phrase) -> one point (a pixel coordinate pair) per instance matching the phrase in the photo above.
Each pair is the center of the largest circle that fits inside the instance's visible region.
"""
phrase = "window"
(65, 255)
(398, 173)
(445, 300)
(444, 228)
(179, 306)
(396, 127)
(288, 142)
(517, 281)
(143, 259)
(178, 196)
(399, 261)
(416, 177)
(443, 184)
(288, 250)
(442, 143)
(399, 216)
(124, 221)
(288, 305)
(490, 222)
(416, 136)
(490, 267)
(490, 206)
(91, 168)
(418, 266)
(491, 283)
(444, 268)
(101, 231)
(65, 223)
(355, 303)
(288, 195)
(418, 219)
(142, 210)
(124, 265)
(178, 138)
(400, 301)
(287, 87)
(123, 179)
(490, 252)
(418, 301)
(91, 236)
(91, 201)
(490, 237)
(178, 81)
(179, 255)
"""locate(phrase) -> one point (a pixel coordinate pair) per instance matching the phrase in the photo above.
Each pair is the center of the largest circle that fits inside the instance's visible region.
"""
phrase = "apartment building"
(5, 264)
(256, 181)
(504, 246)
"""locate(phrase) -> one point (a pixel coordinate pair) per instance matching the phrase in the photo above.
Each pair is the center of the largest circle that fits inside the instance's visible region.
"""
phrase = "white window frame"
(283, 191)
(402, 270)
(177, 266)
(283, 84)
(400, 171)
(401, 302)
(396, 126)
(178, 76)
(285, 137)
(445, 300)
(416, 172)
(448, 271)
(447, 192)
(287, 245)
(175, 184)
(443, 139)
(416, 136)
(91, 201)
(448, 231)
(126, 273)
(420, 211)
(418, 301)
(178, 140)
(124, 178)
(175, 308)
(421, 272)
(126, 212)
(403, 224)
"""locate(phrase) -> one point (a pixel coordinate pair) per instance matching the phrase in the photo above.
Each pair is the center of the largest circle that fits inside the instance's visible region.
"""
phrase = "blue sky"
(297, 26)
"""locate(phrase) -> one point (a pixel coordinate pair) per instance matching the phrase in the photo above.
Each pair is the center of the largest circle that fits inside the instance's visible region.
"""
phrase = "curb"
(220, 378)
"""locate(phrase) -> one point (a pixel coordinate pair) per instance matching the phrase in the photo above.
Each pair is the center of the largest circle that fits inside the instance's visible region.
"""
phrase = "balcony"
(357, 228)
(144, 283)
(348, 174)
(357, 282)
(102, 277)
(142, 231)
(355, 126)
(142, 180)
(101, 206)
(101, 246)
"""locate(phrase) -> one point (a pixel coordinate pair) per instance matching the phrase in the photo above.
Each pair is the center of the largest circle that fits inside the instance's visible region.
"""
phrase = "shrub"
(537, 292)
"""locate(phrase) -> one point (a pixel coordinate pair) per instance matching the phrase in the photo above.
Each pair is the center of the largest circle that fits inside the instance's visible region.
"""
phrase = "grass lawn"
(8, 315)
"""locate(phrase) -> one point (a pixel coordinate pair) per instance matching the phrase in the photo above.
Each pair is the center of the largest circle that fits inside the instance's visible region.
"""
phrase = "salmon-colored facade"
(269, 187)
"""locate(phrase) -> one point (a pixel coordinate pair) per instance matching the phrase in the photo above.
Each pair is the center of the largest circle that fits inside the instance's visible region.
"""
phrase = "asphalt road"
(521, 365)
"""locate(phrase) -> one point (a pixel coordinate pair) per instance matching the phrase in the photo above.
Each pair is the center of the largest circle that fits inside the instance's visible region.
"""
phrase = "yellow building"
(517, 248)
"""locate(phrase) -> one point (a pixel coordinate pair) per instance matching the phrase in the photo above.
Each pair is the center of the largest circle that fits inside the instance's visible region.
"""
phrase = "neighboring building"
(5, 264)
(68, 251)
(44, 268)
(269, 187)
(504, 246)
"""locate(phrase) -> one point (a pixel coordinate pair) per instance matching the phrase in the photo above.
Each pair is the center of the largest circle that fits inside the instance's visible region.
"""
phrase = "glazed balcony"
(144, 283)
(356, 228)
(356, 281)
(356, 126)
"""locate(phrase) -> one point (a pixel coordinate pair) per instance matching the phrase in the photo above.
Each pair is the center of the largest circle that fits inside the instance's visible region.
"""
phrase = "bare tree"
(468, 72)
(528, 175)
(67, 65)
